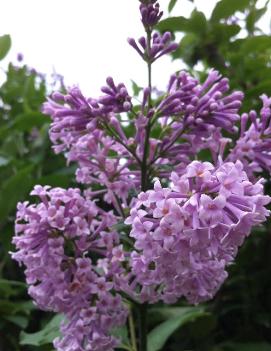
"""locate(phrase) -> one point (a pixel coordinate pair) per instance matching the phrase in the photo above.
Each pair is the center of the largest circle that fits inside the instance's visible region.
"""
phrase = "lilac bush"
(166, 203)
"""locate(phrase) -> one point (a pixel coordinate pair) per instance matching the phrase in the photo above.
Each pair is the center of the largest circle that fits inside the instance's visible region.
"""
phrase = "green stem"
(132, 330)
(144, 168)
(114, 134)
(142, 327)
(142, 308)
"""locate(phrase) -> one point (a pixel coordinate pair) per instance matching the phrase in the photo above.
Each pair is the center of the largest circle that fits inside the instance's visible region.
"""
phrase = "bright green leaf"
(5, 44)
(159, 335)
(196, 24)
(173, 24)
(257, 44)
(226, 8)
(44, 336)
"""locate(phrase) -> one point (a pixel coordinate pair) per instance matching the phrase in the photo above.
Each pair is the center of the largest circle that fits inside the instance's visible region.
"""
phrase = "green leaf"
(121, 333)
(136, 88)
(14, 190)
(159, 335)
(195, 24)
(20, 321)
(5, 44)
(26, 121)
(256, 44)
(226, 8)
(44, 336)
(10, 288)
(262, 88)
(171, 5)
(173, 24)
(223, 32)
(11, 308)
(253, 17)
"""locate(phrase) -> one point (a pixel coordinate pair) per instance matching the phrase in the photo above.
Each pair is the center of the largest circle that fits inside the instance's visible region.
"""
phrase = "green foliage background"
(239, 318)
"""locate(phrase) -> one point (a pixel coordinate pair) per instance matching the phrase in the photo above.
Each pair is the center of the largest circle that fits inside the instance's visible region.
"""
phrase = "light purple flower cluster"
(187, 233)
(57, 241)
(161, 239)
(254, 145)
(73, 114)
(193, 116)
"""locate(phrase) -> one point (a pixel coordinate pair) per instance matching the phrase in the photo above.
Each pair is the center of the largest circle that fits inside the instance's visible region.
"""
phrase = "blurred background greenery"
(239, 318)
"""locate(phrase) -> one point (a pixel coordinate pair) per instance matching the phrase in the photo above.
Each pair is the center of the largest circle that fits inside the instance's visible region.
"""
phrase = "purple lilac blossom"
(54, 240)
(254, 144)
(186, 234)
(180, 236)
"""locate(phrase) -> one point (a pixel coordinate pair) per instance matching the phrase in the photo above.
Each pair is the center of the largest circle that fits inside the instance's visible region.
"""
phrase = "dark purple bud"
(166, 37)
(111, 84)
(170, 48)
(106, 90)
(142, 42)
(244, 119)
(20, 57)
(133, 43)
(127, 106)
(57, 96)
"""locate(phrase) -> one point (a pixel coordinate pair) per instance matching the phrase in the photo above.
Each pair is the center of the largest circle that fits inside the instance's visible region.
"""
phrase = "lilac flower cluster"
(56, 240)
(159, 46)
(175, 221)
(192, 117)
(254, 145)
(73, 114)
(187, 233)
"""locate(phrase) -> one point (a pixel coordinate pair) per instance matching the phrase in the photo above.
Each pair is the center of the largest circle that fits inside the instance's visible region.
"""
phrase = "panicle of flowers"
(72, 114)
(160, 45)
(253, 147)
(56, 239)
(202, 105)
(192, 117)
(178, 238)
(88, 132)
(187, 233)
